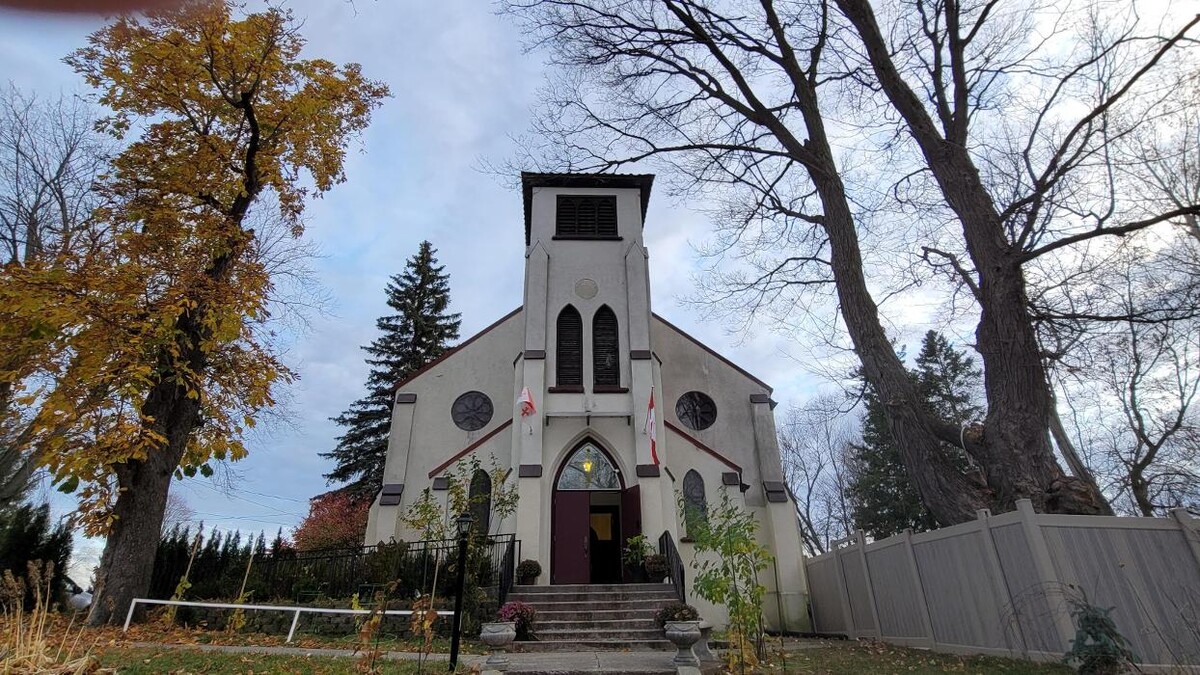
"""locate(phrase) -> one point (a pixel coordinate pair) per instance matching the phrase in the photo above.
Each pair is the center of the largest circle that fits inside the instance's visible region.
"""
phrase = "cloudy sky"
(462, 88)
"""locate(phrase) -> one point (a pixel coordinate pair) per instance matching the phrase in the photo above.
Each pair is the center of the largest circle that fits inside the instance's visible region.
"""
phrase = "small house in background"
(582, 357)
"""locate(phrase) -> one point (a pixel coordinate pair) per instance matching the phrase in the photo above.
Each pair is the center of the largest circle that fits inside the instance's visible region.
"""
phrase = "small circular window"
(471, 411)
(696, 410)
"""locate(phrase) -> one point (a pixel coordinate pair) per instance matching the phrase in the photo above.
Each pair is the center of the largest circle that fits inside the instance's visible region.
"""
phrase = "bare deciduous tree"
(50, 155)
(1132, 386)
(986, 127)
(178, 512)
(814, 440)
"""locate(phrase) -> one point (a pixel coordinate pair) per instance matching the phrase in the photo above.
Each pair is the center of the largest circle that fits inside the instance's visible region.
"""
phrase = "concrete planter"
(499, 636)
(683, 634)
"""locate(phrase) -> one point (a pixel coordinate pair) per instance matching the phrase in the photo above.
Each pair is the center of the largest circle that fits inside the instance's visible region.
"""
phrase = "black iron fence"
(666, 546)
(400, 570)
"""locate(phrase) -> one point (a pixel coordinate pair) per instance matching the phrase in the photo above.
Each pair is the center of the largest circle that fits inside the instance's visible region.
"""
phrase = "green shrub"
(1098, 647)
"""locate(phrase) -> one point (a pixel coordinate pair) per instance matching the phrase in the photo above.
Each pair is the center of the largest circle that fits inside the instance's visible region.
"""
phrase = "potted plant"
(656, 567)
(634, 555)
(499, 636)
(681, 625)
(528, 572)
(522, 615)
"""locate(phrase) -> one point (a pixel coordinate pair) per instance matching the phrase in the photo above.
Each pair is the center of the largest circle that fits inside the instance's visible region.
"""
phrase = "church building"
(582, 358)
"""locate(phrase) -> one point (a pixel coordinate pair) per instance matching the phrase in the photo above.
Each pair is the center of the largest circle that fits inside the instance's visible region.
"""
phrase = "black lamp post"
(464, 530)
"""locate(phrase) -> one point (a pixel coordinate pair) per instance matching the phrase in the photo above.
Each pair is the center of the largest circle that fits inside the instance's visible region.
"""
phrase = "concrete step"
(579, 605)
(577, 624)
(660, 645)
(593, 614)
(600, 617)
(605, 634)
(592, 587)
(594, 596)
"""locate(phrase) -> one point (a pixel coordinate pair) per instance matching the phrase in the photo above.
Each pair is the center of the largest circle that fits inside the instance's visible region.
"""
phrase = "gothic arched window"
(568, 365)
(695, 506)
(606, 362)
(589, 469)
(479, 499)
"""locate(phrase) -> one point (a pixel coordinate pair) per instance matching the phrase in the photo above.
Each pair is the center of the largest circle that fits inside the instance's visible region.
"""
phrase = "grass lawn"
(180, 661)
(837, 658)
(848, 657)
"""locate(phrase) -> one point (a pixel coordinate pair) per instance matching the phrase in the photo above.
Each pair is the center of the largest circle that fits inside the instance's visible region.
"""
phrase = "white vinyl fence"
(1005, 585)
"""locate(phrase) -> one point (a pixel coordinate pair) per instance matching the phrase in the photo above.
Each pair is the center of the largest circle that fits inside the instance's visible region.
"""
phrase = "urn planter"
(683, 634)
(499, 637)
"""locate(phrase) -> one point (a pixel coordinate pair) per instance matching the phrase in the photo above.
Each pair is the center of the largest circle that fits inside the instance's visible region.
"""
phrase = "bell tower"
(585, 256)
(586, 356)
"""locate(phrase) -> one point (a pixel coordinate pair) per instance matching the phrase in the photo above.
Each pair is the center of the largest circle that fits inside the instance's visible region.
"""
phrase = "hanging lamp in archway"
(589, 468)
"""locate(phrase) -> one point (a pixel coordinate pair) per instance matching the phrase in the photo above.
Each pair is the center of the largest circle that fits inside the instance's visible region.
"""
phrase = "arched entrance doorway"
(593, 515)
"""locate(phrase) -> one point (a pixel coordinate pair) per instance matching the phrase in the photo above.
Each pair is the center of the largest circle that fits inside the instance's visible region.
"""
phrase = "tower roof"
(640, 181)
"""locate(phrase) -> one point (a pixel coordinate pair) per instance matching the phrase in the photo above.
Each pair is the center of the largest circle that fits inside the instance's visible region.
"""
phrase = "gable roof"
(712, 352)
(446, 354)
(639, 181)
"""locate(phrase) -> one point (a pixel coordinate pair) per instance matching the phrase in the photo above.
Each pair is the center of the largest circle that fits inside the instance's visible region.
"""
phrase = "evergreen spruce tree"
(883, 498)
(417, 333)
(27, 534)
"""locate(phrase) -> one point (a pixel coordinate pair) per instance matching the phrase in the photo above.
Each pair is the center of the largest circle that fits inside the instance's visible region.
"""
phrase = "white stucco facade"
(734, 449)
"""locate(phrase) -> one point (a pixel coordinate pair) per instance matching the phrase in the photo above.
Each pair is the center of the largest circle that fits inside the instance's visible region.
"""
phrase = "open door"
(631, 519)
(570, 563)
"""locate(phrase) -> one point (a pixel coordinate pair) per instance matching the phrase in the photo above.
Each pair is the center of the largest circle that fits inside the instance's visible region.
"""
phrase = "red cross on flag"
(526, 401)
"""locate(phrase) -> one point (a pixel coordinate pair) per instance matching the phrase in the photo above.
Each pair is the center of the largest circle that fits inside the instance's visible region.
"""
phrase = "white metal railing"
(282, 608)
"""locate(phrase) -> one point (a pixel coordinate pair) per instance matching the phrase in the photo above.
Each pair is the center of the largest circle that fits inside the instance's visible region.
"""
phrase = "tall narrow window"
(605, 361)
(480, 502)
(694, 503)
(568, 366)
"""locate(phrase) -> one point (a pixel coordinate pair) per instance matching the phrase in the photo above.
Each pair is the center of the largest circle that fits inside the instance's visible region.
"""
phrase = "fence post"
(926, 619)
(1047, 577)
(292, 630)
(1000, 587)
(862, 554)
(129, 616)
(1187, 527)
(843, 589)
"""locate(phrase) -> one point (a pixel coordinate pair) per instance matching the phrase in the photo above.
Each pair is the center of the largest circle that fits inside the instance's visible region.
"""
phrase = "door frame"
(586, 440)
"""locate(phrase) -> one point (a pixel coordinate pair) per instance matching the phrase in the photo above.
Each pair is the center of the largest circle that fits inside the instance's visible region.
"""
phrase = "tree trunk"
(1140, 490)
(1013, 448)
(950, 496)
(128, 560)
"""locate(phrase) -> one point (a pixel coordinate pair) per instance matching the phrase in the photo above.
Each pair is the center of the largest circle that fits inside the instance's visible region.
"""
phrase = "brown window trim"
(566, 389)
(609, 389)
(587, 237)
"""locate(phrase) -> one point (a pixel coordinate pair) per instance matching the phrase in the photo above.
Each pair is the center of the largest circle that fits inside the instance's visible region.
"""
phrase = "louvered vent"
(569, 359)
(605, 363)
(586, 216)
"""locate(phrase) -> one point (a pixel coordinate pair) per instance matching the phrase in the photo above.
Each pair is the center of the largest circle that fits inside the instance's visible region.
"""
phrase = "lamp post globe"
(464, 522)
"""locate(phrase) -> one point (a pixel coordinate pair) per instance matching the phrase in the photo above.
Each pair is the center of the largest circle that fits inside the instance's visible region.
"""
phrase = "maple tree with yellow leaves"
(151, 349)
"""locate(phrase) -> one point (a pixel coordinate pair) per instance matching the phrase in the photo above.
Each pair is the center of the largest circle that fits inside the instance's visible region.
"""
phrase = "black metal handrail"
(508, 571)
(666, 546)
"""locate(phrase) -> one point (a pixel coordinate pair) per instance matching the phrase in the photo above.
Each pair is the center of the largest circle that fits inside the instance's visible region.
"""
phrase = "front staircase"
(595, 617)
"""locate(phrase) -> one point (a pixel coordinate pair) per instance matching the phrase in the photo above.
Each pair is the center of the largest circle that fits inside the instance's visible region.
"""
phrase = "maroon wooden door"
(631, 520)
(631, 513)
(572, 527)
